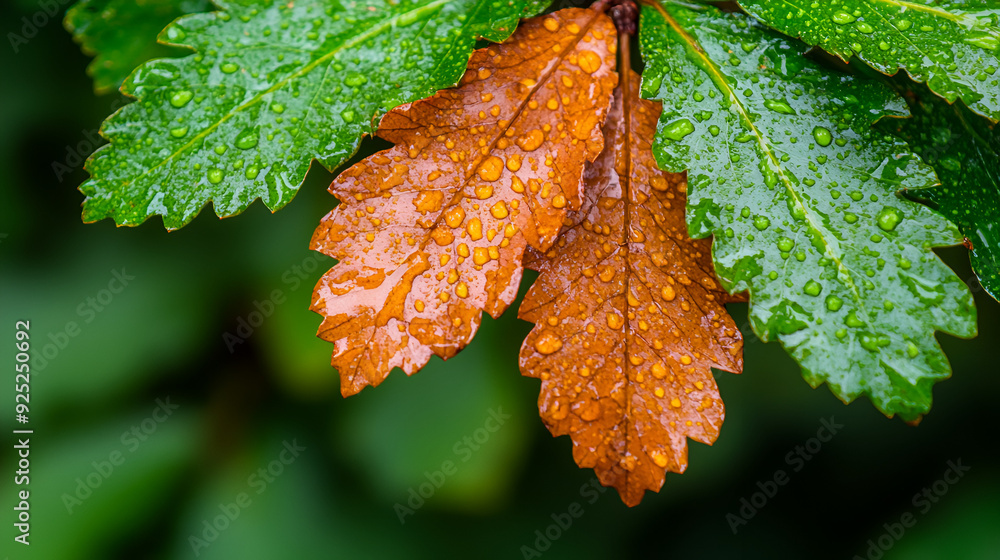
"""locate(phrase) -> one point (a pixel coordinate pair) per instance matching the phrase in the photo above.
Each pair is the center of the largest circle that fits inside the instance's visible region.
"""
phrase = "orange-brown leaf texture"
(432, 232)
(629, 318)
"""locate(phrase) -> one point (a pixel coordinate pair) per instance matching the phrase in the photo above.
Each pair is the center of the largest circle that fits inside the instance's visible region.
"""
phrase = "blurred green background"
(161, 339)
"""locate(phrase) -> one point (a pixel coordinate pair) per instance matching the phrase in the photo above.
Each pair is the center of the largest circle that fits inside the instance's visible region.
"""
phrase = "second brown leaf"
(629, 317)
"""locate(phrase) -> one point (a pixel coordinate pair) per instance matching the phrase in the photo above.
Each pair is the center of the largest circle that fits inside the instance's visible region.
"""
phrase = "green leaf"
(271, 86)
(950, 44)
(964, 148)
(121, 34)
(800, 193)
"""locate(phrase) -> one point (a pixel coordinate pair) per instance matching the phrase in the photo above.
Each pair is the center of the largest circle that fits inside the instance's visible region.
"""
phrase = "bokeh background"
(162, 338)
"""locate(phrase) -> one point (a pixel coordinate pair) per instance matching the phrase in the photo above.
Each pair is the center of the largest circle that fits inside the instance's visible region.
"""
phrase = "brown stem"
(625, 14)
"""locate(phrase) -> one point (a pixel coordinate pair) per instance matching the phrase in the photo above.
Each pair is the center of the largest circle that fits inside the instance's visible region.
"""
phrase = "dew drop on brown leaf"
(432, 232)
(629, 319)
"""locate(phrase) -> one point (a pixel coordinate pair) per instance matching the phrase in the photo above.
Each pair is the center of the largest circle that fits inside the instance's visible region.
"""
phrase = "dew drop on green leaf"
(889, 218)
(181, 98)
(355, 79)
(247, 139)
(677, 130)
(215, 176)
(822, 136)
(842, 18)
(779, 106)
(812, 288)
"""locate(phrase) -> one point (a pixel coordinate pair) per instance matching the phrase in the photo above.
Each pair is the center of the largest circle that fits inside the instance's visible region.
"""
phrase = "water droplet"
(531, 141)
(277, 107)
(852, 320)
(842, 18)
(812, 288)
(865, 28)
(785, 244)
(834, 303)
(761, 222)
(615, 321)
(547, 343)
(713, 130)
(889, 218)
(678, 129)
(903, 24)
(229, 67)
(247, 139)
(179, 132)
(251, 172)
(215, 176)
(355, 79)
(822, 136)
(347, 115)
(589, 61)
(779, 106)
(668, 292)
(181, 98)
(175, 34)
(491, 169)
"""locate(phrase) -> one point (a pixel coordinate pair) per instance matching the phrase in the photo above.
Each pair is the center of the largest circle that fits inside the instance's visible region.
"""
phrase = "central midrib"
(720, 81)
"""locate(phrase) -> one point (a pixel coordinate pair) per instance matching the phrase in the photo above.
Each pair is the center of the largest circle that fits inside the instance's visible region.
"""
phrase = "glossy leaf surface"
(964, 149)
(800, 193)
(270, 87)
(952, 45)
(629, 317)
(431, 232)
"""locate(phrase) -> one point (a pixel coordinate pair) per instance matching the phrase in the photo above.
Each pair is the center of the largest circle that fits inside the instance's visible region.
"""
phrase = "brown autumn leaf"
(432, 232)
(627, 330)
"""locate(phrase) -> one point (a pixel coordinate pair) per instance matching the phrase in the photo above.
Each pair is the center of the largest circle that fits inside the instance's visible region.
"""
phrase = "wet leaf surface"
(270, 87)
(800, 194)
(952, 45)
(431, 232)
(629, 317)
(964, 149)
